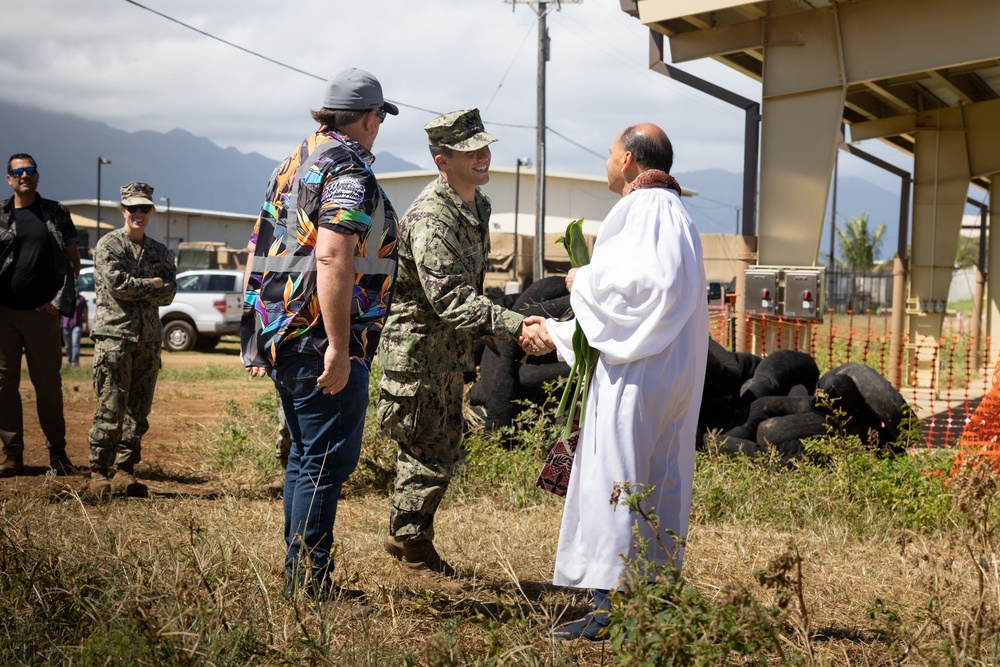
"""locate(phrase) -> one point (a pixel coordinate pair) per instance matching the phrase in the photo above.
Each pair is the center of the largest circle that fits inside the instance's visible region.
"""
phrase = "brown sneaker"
(125, 484)
(418, 554)
(12, 466)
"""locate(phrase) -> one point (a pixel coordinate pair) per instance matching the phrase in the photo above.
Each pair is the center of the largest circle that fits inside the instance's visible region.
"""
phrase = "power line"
(260, 55)
(227, 43)
(510, 66)
(316, 76)
(578, 145)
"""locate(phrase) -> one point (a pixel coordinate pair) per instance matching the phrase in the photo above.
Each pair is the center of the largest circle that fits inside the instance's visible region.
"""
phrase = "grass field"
(847, 558)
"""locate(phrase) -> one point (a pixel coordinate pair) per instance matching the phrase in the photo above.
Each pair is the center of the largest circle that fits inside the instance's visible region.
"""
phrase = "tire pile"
(509, 375)
(750, 405)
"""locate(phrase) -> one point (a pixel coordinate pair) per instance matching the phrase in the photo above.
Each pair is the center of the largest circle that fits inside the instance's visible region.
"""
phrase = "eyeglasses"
(30, 171)
(145, 208)
(381, 115)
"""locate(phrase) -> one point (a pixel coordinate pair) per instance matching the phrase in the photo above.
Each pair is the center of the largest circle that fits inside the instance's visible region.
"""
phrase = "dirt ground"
(181, 410)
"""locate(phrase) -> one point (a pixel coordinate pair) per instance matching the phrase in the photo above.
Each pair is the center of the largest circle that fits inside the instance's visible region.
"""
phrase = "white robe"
(641, 301)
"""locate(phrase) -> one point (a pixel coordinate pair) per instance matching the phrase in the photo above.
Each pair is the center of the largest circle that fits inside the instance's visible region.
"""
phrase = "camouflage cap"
(459, 130)
(137, 193)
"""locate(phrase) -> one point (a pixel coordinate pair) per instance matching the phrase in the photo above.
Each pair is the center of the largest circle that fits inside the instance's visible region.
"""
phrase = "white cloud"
(111, 61)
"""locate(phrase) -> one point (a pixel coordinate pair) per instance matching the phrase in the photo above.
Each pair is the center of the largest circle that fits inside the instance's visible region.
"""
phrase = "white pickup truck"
(207, 306)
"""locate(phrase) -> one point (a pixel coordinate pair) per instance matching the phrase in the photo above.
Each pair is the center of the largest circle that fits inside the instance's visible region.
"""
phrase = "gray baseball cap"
(356, 90)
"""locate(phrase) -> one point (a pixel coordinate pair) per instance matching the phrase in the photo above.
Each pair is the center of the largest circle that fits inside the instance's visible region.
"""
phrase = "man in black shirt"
(39, 263)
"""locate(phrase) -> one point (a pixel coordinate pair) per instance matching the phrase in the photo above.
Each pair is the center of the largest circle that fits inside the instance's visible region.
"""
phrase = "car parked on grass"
(207, 306)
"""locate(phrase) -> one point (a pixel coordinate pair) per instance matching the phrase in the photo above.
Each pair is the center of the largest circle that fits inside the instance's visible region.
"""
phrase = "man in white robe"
(641, 303)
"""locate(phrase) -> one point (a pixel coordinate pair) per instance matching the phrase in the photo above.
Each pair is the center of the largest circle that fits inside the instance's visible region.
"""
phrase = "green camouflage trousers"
(423, 414)
(124, 381)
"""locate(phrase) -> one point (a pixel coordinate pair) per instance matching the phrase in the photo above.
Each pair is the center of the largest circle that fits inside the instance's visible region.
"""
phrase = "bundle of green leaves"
(573, 405)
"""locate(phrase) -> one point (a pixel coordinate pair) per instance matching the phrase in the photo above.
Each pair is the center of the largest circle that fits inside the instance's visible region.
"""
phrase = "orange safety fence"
(981, 436)
(945, 379)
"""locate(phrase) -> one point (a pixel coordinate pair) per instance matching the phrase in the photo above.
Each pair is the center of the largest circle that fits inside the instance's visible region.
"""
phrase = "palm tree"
(858, 245)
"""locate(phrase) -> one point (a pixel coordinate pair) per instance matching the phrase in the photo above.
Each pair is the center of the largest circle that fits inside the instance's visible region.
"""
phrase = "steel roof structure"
(922, 75)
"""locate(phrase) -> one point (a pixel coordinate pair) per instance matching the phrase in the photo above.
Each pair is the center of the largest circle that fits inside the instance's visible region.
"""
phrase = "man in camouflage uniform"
(438, 313)
(133, 276)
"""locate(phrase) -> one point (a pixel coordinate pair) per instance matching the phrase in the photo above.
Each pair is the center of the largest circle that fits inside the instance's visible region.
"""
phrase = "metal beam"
(630, 7)
(949, 82)
(877, 43)
(652, 11)
(751, 125)
(880, 89)
(980, 121)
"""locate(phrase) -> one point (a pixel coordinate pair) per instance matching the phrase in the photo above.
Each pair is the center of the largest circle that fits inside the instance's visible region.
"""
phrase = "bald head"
(649, 146)
(637, 149)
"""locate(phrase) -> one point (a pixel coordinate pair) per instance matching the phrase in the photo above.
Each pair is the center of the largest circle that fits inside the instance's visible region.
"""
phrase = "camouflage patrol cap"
(459, 130)
(137, 193)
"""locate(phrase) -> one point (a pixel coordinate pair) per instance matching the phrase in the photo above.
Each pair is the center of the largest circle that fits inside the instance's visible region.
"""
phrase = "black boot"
(12, 466)
(60, 464)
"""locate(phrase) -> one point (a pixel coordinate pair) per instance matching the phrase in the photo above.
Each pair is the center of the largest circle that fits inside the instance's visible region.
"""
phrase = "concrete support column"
(993, 276)
(898, 322)
(940, 187)
(801, 113)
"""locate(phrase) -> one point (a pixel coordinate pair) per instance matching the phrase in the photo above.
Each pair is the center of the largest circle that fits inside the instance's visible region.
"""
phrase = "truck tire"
(179, 336)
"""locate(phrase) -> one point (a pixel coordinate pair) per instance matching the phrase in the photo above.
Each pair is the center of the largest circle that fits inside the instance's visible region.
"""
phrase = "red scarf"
(654, 178)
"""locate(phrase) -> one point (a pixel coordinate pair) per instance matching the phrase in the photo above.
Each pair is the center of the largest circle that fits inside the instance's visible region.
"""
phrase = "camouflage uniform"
(438, 312)
(127, 334)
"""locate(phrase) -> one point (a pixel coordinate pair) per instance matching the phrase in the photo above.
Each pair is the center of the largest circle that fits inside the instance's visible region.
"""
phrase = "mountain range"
(191, 170)
(225, 179)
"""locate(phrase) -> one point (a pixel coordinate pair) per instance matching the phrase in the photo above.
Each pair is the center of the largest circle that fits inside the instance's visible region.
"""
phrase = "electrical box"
(761, 286)
(802, 294)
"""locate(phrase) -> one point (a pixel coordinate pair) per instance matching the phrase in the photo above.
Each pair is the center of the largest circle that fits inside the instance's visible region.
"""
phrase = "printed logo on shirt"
(347, 193)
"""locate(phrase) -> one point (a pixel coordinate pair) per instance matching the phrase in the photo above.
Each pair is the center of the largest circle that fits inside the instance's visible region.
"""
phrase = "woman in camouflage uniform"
(133, 276)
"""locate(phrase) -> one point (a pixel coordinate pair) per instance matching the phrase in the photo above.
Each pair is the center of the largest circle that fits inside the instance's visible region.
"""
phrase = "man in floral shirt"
(322, 267)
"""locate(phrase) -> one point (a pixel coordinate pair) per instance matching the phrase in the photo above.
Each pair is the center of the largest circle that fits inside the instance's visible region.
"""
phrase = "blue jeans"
(326, 432)
(71, 339)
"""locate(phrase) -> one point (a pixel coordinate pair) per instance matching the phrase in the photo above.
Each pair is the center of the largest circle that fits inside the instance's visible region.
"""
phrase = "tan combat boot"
(99, 486)
(418, 554)
(124, 483)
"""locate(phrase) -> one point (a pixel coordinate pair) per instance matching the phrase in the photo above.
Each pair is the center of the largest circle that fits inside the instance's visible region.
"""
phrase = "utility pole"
(101, 161)
(542, 10)
(538, 270)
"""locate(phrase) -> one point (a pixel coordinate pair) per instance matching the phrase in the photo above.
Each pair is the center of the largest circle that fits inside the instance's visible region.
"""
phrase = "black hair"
(20, 156)
(650, 152)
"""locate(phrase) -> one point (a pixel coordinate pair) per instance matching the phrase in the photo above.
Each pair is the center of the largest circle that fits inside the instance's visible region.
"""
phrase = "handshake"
(534, 337)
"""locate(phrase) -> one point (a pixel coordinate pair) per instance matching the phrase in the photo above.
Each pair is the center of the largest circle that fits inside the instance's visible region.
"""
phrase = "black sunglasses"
(30, 171)
(145, 208)
(381, 115)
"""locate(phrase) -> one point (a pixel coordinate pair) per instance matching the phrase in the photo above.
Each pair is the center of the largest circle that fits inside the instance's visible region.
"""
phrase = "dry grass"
(191, 581)
(195, 573)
